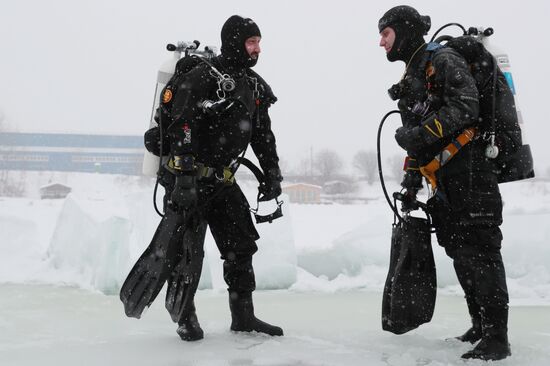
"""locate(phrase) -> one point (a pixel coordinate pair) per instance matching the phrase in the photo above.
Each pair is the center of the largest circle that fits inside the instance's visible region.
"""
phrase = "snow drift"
(92, 238)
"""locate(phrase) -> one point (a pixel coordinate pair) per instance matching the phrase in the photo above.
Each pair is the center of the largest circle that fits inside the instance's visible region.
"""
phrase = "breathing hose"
(393, 206)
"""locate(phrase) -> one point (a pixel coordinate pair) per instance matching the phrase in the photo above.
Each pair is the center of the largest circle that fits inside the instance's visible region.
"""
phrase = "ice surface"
(330, 262)
(61, 326)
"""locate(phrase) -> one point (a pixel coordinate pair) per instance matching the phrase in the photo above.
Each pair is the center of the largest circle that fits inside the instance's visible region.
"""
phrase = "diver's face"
(252, 46)
(387, 39)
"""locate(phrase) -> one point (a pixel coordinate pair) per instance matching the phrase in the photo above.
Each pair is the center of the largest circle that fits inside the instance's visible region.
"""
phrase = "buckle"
(228, 177)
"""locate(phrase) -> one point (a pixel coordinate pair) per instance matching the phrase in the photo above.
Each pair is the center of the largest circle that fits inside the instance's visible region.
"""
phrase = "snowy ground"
(62, 260)
(46, 325)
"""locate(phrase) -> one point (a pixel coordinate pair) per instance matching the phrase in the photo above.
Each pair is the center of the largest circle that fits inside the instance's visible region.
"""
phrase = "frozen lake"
(48, 325)
(324, 266)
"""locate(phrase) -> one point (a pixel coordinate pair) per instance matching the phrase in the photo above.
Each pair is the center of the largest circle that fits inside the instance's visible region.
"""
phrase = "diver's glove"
(152, 141)
(270, 188)
(412, 182)
(412, 179)
(409, 202)
(409, 139)
(184, 194)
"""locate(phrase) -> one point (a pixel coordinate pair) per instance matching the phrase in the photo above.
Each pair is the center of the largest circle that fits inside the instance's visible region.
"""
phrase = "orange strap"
(446, 154)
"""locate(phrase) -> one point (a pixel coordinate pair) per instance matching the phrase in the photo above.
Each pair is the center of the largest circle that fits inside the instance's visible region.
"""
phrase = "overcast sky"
(90, 66)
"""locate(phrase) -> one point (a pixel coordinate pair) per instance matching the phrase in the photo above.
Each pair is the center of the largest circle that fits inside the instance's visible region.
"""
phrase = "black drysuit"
(216, 140)
(467, 210)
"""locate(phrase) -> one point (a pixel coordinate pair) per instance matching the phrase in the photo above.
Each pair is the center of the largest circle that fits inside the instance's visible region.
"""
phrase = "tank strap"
(433, 46)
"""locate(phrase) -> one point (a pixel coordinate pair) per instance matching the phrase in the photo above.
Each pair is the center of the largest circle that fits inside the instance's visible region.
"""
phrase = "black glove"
(184, 194)
(152, 141)
(409, 138)
(409, 203)
(271, 187)
(412, 180)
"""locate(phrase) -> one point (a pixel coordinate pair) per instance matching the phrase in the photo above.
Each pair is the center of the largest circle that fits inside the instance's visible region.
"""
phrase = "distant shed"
(54, 191)
(303, 193)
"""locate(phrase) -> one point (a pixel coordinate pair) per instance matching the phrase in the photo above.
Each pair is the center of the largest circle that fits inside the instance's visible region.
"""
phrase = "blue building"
(71, 153)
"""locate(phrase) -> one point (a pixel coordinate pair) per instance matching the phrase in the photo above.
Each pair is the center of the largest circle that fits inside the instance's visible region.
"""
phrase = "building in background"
(54, 191)
(71, 153)
(303, 193)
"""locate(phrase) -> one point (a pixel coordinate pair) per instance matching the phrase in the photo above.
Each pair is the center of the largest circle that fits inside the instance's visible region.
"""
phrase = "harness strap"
(223, 174)
(204, 171)
(253, 168)
(261, 179)
(429, 170)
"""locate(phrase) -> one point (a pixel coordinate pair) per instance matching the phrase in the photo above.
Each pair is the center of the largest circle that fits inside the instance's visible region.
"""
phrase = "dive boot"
(494, 341)
(243, 319)
(495, 347)
(472, 335)
(189, 328)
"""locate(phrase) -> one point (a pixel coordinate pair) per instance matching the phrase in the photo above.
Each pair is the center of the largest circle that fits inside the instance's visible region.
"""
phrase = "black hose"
(494, 100)
(446, 26)
(396, 195)
(155, 198)
(158, 170)
(393, 207)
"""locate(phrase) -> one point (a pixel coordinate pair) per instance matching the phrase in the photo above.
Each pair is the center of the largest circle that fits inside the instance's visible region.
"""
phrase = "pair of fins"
(411, 285)
(175, 254)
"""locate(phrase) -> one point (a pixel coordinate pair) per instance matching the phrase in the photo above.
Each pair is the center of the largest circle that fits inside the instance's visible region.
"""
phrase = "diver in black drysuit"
(436, 106)
(204, 144)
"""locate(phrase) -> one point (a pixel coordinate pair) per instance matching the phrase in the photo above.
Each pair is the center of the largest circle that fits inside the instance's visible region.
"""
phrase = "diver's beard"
(251, 62)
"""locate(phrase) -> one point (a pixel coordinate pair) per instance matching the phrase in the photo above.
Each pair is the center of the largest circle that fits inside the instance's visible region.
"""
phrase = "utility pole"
(311, 161)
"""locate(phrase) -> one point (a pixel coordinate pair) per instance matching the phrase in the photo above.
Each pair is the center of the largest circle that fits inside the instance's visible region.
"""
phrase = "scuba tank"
(513, 158)
(519, 165)
(165, 73)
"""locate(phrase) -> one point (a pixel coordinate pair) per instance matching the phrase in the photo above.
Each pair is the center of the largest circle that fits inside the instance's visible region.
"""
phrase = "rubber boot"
(492, 347)
(494, 342)
(189, 328)
(243, 319)
(473, 334)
